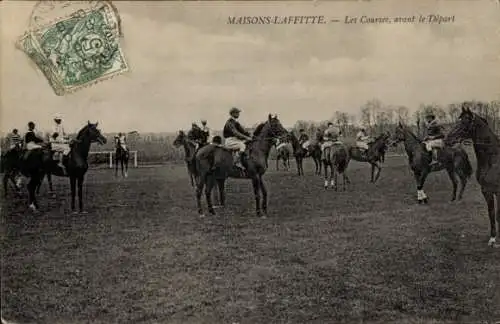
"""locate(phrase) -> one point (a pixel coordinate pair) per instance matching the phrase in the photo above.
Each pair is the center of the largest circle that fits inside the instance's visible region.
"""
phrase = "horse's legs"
(49, 180)
(72, 182)
(222, 194)
(32, 184)
(256, 192)
(80, 192)
(326, 175)
(116, 165)
(420, 179)
(298, 164)
(6, 178)
(490, 201)
(199, 189)
(335, 178)
(126, 166)
(208, 193)
(264, 196)
(451, 174)
(498, 218)
(379, 168)
(277, 161)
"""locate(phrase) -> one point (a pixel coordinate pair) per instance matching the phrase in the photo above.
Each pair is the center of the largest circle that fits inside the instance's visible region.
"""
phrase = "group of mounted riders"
(236, 137)
(58, 143)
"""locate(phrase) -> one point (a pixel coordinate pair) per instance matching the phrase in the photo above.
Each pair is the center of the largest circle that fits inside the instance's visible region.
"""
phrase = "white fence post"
(110, 154)
(135, 159)
(111, 160)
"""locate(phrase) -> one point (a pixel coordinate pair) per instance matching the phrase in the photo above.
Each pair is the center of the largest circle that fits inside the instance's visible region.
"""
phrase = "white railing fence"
(110, 156)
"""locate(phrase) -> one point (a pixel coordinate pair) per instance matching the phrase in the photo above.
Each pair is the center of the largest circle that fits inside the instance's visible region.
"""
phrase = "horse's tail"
(467, 166)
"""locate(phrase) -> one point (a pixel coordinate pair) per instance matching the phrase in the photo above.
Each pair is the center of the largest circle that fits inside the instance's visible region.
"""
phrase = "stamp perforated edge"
(57, 86)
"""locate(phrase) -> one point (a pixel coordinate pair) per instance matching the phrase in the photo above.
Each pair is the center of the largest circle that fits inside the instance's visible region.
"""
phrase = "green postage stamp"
(78, 50)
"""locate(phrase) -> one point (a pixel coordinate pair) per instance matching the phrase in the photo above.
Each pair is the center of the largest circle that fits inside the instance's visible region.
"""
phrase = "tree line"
(377, 117)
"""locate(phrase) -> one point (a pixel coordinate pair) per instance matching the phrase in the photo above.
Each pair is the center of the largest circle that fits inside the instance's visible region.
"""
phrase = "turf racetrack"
(142, 255)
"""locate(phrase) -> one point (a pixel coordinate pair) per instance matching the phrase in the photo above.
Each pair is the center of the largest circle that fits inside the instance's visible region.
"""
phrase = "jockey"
(31, 139)
(434, 138)
(194, 135)
(362, 140)
(235, 136)
(15, 140)
(330, 136)
(121, 140)
(59, 139)
(303, 139)
(205, 130)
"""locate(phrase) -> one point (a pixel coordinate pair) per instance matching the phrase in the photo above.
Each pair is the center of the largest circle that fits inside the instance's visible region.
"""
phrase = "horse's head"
(180, 139)
(91, 133)
(276, 130)
(466, 126)
(399, 134)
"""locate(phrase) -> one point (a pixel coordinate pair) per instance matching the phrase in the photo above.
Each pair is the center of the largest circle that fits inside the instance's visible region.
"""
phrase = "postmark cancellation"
(78, 49)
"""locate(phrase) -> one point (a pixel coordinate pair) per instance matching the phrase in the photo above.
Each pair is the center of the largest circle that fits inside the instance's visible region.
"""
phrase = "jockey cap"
(203, 121)
(301, 130)
(234, 110)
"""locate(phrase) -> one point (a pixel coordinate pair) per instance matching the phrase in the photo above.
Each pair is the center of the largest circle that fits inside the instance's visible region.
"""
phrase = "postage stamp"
(78, 50)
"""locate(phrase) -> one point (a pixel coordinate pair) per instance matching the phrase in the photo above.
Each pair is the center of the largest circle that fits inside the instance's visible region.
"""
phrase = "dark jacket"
(303, 138)
(233, 128)
(434, 130)
(30, 136)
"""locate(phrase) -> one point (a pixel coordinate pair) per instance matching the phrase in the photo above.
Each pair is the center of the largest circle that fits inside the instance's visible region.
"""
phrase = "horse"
(283, 153)
(374, 154)
(37, 163)
(123, 156)
(301, 153)
(215, 163)
(487, 150)
(336, 157)
(452, 159)
(189, 153)
(10, 170)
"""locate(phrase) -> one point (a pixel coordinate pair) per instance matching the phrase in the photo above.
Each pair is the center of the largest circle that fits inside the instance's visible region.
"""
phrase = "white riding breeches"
(362, 145)
(61, 148)
(32, 145)
(436, 143)
(305, 145)
(234, 143)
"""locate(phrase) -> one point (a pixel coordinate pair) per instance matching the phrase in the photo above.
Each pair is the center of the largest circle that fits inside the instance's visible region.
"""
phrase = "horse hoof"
(33, 208)
(425, 200)
(201, 215)
(211, 211)
(83, 212)
(492, 242)
(263, 217)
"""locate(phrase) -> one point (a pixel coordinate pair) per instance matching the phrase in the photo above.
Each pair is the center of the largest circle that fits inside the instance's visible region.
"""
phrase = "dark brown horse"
(36, 163)
(374, 155)
(487, 149)
(336, 158)
(189, 153)
(452, 159)
(300, 153)
(283, 153)
(214, 164)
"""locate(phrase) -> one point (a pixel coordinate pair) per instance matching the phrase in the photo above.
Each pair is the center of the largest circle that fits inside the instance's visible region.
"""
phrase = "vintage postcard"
(250, 161)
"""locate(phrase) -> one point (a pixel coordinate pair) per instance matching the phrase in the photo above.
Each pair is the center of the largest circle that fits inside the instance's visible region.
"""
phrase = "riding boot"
(434, 157)
(239, 160)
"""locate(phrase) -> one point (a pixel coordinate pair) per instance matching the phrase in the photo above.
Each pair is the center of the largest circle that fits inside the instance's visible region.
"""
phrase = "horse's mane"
(409, 131)
(258, 129)
(80, 133)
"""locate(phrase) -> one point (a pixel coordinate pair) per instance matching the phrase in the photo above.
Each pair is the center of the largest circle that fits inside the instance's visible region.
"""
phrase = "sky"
(186, 64)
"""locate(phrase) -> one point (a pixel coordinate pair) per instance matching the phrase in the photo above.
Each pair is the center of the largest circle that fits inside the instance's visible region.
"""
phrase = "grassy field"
(141, 254)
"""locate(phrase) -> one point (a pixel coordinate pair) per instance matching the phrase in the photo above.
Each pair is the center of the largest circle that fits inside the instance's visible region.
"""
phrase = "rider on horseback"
(434, 138)
(236, 136)
(205, 131)
(31, 139)
(330, 136)
(362, 140)
(15, 140)
(59, 140)
(121, 141)
(303, 139)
